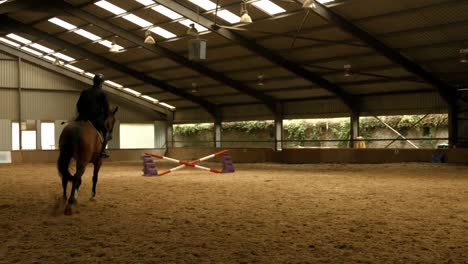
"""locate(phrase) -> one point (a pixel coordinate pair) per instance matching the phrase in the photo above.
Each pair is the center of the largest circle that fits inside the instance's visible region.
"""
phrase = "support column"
(354, 128)
(279, 127)
(218, 119)
(20, 115)
(453, 125)
(218, 132)
(169, 130)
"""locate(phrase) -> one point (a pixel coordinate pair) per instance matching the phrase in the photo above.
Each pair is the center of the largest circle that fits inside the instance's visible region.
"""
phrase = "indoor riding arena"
(238, 131)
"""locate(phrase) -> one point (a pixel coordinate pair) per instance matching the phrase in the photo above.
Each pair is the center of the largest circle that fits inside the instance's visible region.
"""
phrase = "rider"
(94, 106)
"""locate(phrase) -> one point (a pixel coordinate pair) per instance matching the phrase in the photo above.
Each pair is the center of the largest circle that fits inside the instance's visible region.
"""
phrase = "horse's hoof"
(68, 210)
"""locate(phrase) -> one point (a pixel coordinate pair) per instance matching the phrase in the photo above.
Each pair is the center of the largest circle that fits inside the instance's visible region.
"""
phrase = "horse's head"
(110, 122)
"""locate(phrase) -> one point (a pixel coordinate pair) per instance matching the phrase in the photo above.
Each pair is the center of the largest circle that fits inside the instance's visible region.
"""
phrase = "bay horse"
(81, 141)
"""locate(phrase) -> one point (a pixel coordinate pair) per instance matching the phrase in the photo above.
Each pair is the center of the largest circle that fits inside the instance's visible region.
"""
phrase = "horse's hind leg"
(97, 166)
(76, 184)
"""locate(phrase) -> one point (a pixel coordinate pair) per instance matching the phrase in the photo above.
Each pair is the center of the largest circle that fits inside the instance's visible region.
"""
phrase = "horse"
(81, 141)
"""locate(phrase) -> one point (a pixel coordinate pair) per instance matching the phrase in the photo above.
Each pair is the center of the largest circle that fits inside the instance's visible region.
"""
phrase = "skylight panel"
(110, 7)
(49, 58)
(325, 1)
(73, 68)
(167, 105)
(59, 22)
(228, 16)
(18, 38)
(37, 53)
(87, 34)
(111, 83)
(149, 98)
(63, 57)
(205, 4)
(137, 20)
(187, 22)
(90, 75)
(166, 12)
(163, 33)
(108, 44)
(145, 2)
(132, 91)
(42, 48)
(268, 7)
(9, 42)
(3, 1)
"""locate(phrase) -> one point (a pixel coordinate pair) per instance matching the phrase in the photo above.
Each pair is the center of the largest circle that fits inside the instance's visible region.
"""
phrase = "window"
(134, 136)
(47, 136)
(28, 139)
(15, 145)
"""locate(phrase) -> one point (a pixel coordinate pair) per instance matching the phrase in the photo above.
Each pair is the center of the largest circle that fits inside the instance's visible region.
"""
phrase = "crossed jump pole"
(189, 164)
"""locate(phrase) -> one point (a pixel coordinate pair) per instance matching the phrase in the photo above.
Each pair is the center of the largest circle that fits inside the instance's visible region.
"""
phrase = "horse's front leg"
(97, 166)
(76, 184)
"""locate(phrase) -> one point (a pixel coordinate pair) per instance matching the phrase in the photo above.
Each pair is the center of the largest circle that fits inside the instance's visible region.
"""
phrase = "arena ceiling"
(343, 49)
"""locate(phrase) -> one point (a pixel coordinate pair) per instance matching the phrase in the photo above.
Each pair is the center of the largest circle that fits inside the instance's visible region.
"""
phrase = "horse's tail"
(68, 142)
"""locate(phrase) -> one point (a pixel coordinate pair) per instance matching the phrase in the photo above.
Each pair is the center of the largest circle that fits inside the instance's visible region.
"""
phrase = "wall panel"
(36, 77)
(9, 104)
(5, 134)
(8, 74)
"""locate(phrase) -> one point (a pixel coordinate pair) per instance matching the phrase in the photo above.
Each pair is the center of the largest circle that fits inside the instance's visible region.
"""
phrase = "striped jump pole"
(189, 164)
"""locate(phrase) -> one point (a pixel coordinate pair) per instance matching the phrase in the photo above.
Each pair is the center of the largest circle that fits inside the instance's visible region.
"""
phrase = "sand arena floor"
(263, 213)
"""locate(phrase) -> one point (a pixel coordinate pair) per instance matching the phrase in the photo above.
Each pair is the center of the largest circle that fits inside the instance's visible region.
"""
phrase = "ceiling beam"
(446, 91)
(236, 85)
(18, 5)
(79, 77)
(262, 51)
(13, 24)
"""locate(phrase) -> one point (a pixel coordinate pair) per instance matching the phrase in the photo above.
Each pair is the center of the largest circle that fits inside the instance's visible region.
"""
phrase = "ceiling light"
(87, 34)
(63, 57)
(163, 33)
(464, 55)
(18, 38)
(132, 91)
(167, 105)
(348, 72)
(145, 2)
(42, 48)
(245, 17)
(268, 7)
(90, 75)
(228, 16)
(111, 83)
(49, 58)
(188, 23)
(149, 98)
(37, 53)
(192, 31)
(9, 42)
(166, 12)
(57, 62)
(137, 20)
(110, 7)
(59, 22)
(149, 39)
(309, 4)
(114, 48)
(260, 79)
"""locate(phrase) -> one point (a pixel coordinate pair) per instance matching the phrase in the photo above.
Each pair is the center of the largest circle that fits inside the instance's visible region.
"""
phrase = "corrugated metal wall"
(315, 109)
(4, 56)
(9, 104)
(8, 74)
(39, 78)
(5, 135)
(115, 142)
(49, 105)
(403, 104)
(160, 134)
